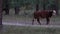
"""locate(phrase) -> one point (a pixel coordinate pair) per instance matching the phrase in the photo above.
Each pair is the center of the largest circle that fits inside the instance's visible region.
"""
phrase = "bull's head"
(54, 12)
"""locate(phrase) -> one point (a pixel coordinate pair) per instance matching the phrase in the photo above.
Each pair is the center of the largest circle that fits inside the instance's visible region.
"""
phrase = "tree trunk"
(17, 10)
(6, 10)
(37, 5)
(6, 7)
(43, 4)
(1, 1)
(56, 1)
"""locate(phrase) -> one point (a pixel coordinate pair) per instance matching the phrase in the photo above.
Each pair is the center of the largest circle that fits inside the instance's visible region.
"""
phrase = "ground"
(28, 30)
(27, 20)
(21, 24)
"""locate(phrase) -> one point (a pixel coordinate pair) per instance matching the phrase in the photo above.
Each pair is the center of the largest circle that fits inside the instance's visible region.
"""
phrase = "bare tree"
(1, 2)
(43, 4)
(37, 5)
(54, 6)
(6, 9)
(17, 10)
(56, 2)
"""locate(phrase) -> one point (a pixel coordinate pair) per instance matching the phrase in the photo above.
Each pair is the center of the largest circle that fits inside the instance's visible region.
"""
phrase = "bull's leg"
(38, 21)
(32, 21)
(47, 21)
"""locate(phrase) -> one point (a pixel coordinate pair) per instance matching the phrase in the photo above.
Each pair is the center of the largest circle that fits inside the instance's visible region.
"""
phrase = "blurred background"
(17, 16)
(21, 11)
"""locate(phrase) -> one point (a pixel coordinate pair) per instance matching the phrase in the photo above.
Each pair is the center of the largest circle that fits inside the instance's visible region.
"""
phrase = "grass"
(19, 17)
(22, 15)
(28, 30)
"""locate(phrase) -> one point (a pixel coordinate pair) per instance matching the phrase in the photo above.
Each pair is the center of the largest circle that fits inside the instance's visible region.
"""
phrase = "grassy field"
(28, 30)
(28, 20)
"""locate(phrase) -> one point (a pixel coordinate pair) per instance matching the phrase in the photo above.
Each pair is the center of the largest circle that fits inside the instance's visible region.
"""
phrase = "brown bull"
(43, 14)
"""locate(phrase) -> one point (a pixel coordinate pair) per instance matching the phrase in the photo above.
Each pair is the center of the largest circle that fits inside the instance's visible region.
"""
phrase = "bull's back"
(42, 14)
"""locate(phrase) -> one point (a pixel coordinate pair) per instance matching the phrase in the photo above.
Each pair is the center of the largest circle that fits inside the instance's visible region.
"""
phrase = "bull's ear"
(51, 11)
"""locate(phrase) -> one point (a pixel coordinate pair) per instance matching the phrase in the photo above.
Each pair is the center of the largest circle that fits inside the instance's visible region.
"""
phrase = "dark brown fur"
(42, 14)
